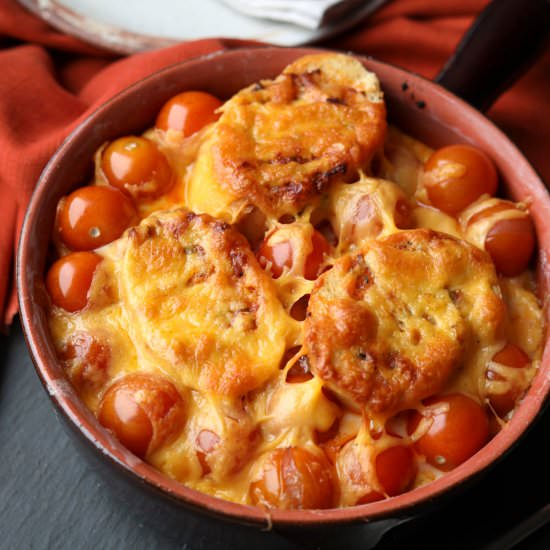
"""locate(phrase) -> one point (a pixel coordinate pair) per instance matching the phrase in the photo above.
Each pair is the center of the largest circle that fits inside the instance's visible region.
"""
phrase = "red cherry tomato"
(293, 478)
(188, 112)
(510, 243)
(93, 216)
(320, 247)
(69, 279)
(457, 175)
(459, 428)
(396, 469)
(135, 165)
(143, 411)
(281, 255)
(510, 356)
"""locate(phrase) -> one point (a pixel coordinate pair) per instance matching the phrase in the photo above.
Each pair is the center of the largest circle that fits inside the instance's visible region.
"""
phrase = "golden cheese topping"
(291, 319)
(279, 144)
(389, 324)
(199, 304)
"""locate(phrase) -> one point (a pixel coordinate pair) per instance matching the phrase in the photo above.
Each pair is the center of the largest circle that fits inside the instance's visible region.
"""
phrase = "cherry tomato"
(135, 165)
(188, 112)
(86, 359)
(293, 478)
(281, 255)
(69, 279)
(93, 216)
(510, 243)
(510, 356)
(320, 247)
(396, 469)
(402, 214)
(459, 428)
(143, 411)
(457, 175)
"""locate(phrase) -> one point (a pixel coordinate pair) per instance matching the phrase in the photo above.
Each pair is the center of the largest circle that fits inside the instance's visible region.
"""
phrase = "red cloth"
(49, 82)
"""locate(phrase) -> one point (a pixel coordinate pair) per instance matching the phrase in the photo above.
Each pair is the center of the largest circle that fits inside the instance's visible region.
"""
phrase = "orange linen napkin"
(49, 82)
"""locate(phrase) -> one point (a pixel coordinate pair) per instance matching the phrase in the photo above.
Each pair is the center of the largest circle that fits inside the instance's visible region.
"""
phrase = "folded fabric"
(310, 14)
(50, 82)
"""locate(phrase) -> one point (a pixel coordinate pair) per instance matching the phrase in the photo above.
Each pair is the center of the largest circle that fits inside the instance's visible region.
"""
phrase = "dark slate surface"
(50, 498)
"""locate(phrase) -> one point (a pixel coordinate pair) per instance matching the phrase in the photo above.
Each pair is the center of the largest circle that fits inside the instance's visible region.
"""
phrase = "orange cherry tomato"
(459, 428)
(281, 255)
(69, 279)
(143, 411)
(396, 469)
(188, 112)
(457, 175)
(86, 359)
(135, 165)
(93, 216)
(510, 356)
(293, 478)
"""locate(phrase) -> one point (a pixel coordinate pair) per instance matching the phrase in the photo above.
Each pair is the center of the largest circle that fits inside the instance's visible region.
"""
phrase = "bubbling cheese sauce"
(292, 319)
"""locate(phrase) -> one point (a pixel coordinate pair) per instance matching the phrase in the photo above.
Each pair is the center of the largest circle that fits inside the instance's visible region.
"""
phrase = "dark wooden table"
(50, 498)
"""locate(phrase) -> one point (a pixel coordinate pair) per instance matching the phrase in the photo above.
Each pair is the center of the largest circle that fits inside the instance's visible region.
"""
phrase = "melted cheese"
(182, 295)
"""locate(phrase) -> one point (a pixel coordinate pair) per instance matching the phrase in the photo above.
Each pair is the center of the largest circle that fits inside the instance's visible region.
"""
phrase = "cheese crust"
(285, 375)
(389, 324)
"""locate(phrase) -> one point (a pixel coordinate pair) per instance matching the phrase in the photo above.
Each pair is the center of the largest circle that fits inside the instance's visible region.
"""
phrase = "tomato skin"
(93, 216)
(143, 411)
(294, 479)
(281, 255)
(86, 358)
(510, 356)
(456, 433)
(188, 112)
(69, 279)
(396, 469)
(510, 243)
(313, 262)
(457, 175)
(136, 166)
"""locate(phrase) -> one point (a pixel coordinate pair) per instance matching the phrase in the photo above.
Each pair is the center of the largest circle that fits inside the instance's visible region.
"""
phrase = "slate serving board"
(50, 498)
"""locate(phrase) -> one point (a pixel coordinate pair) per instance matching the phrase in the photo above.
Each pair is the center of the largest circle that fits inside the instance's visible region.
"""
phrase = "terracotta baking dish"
(417, 106)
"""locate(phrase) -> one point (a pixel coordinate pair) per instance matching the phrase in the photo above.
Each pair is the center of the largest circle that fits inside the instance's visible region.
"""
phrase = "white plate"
(130, 26)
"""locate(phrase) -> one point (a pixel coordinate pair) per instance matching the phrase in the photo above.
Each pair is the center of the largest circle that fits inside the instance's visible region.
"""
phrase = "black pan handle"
(505, 40)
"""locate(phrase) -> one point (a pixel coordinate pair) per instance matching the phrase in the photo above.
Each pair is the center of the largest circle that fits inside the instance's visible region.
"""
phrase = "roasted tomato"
(457, 428)
(86, 359)
(136, 166)
(93, 216)
(280, 254)
(504, 401)
(396, 469)
(188, 112)
(143, 411)
(69, 279)
(506, 231)
(457, 175)
(293, 478)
